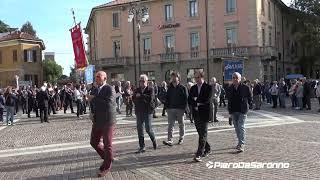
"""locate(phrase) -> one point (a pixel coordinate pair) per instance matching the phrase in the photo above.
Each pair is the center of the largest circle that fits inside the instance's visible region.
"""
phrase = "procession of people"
(199, 101)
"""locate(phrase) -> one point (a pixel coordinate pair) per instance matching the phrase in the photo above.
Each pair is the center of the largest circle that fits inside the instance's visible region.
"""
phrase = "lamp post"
(136, 15)
(17, 81)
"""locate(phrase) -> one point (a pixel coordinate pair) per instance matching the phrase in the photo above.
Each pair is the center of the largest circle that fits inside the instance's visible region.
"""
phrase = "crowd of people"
(43, 101)
(198, 101)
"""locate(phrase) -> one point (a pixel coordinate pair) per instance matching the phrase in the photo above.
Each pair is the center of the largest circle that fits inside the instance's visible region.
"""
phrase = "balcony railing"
(243, 51)
(230, 51)
(115, 61)
(170, 57)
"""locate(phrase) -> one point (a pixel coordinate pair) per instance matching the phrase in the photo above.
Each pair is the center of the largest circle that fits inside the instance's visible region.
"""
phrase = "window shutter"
(34, 55)
(25, 55)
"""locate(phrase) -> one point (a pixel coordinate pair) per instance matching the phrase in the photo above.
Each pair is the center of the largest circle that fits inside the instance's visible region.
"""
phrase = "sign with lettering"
(168, 26)
(230, 67)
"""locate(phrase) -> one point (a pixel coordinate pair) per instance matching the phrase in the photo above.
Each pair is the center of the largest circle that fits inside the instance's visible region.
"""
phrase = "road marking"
(128, 139)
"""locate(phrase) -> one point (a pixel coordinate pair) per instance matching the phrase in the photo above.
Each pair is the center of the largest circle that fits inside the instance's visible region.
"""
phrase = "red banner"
(78, 47)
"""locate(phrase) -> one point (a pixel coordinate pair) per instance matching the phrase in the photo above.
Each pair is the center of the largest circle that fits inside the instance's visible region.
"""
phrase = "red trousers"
(103, 149)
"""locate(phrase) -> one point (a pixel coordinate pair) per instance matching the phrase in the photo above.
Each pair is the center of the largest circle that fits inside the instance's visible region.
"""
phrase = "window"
(270, 37)
(231, 6)
(168, 12)
(0, 57)
(190, 74)
(28, 77)
(169, 43)
(147, 10)
(195, 40)
(28, 56)
(265, 78)
(116, 49)
(262, 7)
(269, 10)
(271, 69)
(194, 44)
(34, 54)
(151, 75)
(265, 68)
(263, 37)
(117, 77)
(115, 20)
(14, 55)
(147, 46)
(193, 8)
(36, 80)
(231, 36)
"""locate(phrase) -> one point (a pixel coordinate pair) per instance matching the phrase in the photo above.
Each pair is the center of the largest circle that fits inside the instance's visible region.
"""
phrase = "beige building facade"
(20, 55)
(191, 35)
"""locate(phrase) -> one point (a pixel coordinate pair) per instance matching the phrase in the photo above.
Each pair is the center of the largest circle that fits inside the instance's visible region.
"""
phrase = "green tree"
(3, 27)
(306, 31)
(51, 71)
(28, 28)
(73, 74)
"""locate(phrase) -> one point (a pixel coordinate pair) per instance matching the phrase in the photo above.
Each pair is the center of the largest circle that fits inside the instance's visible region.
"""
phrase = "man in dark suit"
(200, 101)
(143, 99)
(42, 99)
(104, 119)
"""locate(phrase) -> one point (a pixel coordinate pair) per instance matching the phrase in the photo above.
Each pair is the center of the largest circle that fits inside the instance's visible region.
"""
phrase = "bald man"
(104, 119)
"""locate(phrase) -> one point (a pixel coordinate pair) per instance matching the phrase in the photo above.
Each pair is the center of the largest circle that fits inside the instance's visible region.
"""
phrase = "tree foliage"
(51, 71)
(28, 28)
(306, 31)
(4, 27)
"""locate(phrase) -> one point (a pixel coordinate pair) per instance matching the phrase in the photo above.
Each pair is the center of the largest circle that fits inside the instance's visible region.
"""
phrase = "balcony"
(169, 57)
(112, 62)
(230, 51)
(244, 51)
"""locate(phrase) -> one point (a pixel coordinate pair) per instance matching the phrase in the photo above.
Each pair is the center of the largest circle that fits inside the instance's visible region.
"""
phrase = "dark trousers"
(222, 100)
(34, 108)
(52, 108)
(275, 101)
(103, 149)
(79, 107)
(44, 114)
(164, 111)
(1, 114)
(68, 102)
(24, 107)
(215, 108)
(144, 119)
(129, 106)
(306, 102)
(202, 129)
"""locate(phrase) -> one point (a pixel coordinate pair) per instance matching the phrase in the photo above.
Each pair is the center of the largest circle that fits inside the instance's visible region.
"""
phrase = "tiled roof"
(17, 35)
(116, 2)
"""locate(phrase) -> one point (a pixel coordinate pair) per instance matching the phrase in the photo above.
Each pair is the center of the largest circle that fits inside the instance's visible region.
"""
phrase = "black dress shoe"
(216, 120)
(207, 153)
(141, 150)
(155, 146)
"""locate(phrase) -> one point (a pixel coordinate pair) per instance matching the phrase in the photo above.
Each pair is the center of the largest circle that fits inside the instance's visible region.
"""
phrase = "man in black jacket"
(104, 119)
(238, 106)
(176, 103)
(257, 94)
(143, 98)
(42, 99)
(200, 101)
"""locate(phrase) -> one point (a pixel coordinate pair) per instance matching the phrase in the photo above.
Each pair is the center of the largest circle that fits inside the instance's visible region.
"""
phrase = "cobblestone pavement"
(60, 149)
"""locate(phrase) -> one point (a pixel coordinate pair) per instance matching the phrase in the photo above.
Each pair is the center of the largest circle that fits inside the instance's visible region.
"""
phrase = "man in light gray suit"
(104, 119)
(216, 92)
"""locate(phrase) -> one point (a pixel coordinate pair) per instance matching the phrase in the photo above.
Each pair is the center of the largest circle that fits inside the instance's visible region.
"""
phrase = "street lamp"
(136, 15)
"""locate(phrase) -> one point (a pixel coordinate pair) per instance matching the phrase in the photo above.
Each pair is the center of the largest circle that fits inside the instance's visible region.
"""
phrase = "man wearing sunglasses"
(239, 99)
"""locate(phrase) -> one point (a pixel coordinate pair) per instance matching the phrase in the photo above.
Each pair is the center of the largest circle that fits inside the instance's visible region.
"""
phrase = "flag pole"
(73, 16)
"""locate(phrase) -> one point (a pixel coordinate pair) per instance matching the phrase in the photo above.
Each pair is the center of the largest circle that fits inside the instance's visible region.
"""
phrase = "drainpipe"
(275, 35)
(207, 39)
(283, 70)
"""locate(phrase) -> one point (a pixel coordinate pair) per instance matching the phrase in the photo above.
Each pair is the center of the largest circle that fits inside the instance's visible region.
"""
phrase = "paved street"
(61, 150)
